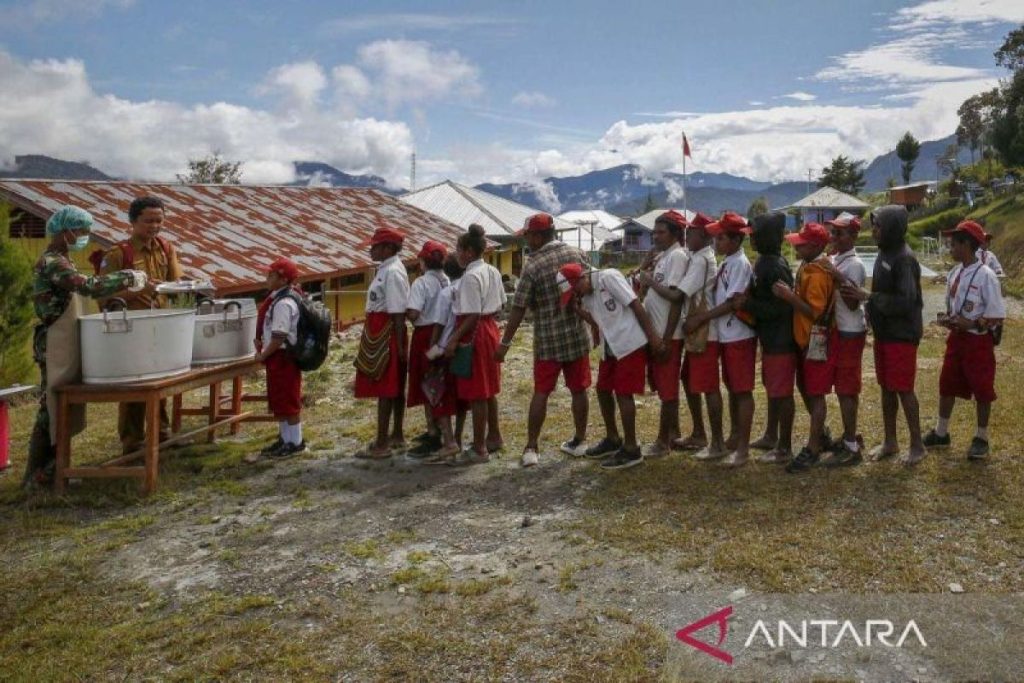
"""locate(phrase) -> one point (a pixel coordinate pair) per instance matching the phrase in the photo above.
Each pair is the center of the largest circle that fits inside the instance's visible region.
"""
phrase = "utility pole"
(809, 172)
(412, 173)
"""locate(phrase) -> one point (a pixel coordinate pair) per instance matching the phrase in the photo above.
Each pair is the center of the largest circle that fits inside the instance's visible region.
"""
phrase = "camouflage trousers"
(42, 455)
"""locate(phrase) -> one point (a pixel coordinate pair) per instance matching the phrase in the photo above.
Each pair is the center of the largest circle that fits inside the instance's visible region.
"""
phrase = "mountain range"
(621, 190)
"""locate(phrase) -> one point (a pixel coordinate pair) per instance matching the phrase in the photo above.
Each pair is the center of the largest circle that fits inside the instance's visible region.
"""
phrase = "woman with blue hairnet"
(57, 283)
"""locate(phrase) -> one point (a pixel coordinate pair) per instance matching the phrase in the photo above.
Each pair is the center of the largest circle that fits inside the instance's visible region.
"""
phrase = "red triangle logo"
(721, 618)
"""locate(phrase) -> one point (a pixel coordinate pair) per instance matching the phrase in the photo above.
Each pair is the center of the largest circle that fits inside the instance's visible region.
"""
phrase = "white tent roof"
(591, 228)
(829, 198)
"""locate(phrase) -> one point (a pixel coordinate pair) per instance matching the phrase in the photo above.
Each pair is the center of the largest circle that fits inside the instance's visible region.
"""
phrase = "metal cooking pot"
(134, 346)
(225, 331)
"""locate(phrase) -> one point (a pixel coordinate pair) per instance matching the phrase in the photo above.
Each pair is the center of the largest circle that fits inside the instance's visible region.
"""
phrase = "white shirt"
(423, 294)
(989, 259)
(668, 271)
(978, 294)
(700, 274)
(389, 291)
(481, 290)
(283, 318)
(733, 277)
(609, 304)
(445, 311)
(851, 267)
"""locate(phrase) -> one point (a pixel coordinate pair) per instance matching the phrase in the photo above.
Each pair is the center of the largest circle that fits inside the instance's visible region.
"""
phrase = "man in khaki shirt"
(157, 257)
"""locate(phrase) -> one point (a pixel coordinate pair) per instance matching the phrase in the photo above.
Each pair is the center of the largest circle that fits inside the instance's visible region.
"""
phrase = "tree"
(907, 149)
(213, 170)
(844, 174)
(650, 204)
(16, 312)
(1007, 131)
(758, 207)
(976, 120)
(948, 163)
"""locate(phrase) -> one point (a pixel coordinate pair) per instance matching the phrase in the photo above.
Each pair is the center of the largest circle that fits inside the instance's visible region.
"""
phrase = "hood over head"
(768, 232)
(892, 226)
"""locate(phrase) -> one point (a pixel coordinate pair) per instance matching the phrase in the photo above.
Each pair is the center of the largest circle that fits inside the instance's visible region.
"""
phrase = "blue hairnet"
(68, 218)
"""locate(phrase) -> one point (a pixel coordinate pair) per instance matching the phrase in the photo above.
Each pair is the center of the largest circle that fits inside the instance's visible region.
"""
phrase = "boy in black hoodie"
(773, 319)
(894, 309)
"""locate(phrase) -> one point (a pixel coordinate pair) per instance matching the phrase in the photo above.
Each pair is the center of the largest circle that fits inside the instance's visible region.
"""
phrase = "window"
(349, 280)
(25, 225)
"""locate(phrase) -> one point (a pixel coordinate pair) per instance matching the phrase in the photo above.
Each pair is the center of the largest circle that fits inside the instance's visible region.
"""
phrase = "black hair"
(452, 268)
(961, 236)
(674, 228)
(473, 239)
(434, 260)
(140, 204)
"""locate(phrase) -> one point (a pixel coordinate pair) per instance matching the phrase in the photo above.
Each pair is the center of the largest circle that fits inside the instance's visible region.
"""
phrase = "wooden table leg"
(152, 443)
(176, 413)
(236, 402)
(214, 411)
(63, 443)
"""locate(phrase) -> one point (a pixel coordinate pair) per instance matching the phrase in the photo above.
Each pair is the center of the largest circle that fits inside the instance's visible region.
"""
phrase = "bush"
(16, 312)
(933, 225)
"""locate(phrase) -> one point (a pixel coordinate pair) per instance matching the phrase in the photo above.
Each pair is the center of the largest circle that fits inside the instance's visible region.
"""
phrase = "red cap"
(386, 235)
(845, 221)
(568, 276)
(700, 221)
(674, 217)
(730, 224)
(811, 233)
(432, 248)
(538, 222)
(973, 229)
(285, 268)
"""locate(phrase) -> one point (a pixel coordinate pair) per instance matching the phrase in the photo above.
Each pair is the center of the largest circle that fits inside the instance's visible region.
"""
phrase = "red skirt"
(449, 405)
(485, 382)
(418, 364)
(284, 385)
(392, 382)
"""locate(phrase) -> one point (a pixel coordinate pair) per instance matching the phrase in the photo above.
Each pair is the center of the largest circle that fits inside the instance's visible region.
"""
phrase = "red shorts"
(778, 372)
(664, 375)
(485, 382)
(418, 364)
(817, 377)
(969, 367)
(284, 385)
(896, 365)
(700, 370)
(577, 375)
(849, 363)
(738, 361)
(392, 382)
(624, 375)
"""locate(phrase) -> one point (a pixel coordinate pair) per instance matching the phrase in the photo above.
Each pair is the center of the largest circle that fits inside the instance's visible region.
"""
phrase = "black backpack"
(314, 331)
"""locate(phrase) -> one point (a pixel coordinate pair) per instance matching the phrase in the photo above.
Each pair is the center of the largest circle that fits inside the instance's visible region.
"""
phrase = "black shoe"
(424, 448)
(272, 448)
(842, 456)
(288, 450)
(978, 449)
(933, 440)
(623, 460)
(603, 447)
(804, 461)
(423, 437)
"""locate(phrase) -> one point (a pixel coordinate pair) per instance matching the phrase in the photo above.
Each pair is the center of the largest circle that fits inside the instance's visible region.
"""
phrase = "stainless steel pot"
(225, 331)
(132, 346)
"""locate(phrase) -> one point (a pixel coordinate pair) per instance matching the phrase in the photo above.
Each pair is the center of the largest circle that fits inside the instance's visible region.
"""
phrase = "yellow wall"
(502, 258)
(348, 308)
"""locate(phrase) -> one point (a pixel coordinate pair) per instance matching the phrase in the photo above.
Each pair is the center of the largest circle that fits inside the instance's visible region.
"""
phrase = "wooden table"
(221, 411)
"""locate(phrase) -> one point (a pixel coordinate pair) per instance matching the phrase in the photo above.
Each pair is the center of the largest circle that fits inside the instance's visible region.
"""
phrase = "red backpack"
(127, 254)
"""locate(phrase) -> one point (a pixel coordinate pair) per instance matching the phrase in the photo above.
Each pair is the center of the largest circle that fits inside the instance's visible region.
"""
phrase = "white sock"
(852, 446)
(982, 433)
(297, 432)
(942, 429)
(282, 430)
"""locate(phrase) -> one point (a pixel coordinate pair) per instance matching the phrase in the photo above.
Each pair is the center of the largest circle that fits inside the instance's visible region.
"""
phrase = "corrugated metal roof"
(463, 205)
(647, 220)
(593, 228)
(828, 198)
(602, 218)
(230, 233)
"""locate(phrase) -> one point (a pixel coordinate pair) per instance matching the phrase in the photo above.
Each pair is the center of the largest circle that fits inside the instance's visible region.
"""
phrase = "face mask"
(79, 244)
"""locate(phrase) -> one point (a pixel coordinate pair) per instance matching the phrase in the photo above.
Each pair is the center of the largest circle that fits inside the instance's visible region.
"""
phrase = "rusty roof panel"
(230, 233)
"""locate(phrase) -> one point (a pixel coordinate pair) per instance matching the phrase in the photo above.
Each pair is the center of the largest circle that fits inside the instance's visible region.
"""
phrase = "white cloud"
(27, 14)
(799, 96)
(533, 99)
(52, 108)
(411, 21)
(756, 103)
(908, 59)
(414, 72)
(299, 84)
(960, 12)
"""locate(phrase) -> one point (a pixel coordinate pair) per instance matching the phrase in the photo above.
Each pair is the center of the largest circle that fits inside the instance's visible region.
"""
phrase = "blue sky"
(487, 91)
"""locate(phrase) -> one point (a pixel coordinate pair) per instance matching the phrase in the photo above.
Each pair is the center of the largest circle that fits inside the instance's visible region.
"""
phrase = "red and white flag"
(686, 147)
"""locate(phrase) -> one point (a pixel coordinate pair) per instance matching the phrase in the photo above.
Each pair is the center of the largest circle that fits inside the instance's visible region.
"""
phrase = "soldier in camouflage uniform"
(56, 281)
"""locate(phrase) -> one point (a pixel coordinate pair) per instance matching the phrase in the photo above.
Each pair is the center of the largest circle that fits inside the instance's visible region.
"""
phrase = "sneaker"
(576, 447)
(776, 456)
(288, 450)
(655, 450)
(272, 448)
(933, 440)
(602, 448)
(842, 456)
(804, 461)
(978, 449)
(709, 453)
(424, 448)
(530, 458)
(623, 460)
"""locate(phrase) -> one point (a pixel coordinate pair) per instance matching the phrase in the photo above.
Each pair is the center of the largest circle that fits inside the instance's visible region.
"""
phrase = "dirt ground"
(330, 568)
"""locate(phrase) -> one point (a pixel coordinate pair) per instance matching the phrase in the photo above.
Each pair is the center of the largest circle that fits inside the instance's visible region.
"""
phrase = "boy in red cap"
(664, 304)
(381, 362)
(611, 307)
(974, 308)
(852, 329)
(737, 344)
(813, 304)
(279, 326)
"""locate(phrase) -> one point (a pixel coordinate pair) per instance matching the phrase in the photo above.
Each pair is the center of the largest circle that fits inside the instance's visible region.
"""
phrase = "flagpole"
(684, 175)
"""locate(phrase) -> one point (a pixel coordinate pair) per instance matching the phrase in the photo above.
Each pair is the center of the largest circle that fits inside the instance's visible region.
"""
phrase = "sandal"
(469, 457)
(368, 452)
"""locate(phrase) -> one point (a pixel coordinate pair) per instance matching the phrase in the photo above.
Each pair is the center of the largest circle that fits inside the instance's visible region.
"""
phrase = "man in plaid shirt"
(560, 342)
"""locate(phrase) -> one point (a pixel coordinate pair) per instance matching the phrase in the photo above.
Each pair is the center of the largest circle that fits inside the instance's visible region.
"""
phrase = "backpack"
(127, 254)
(314, 330)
